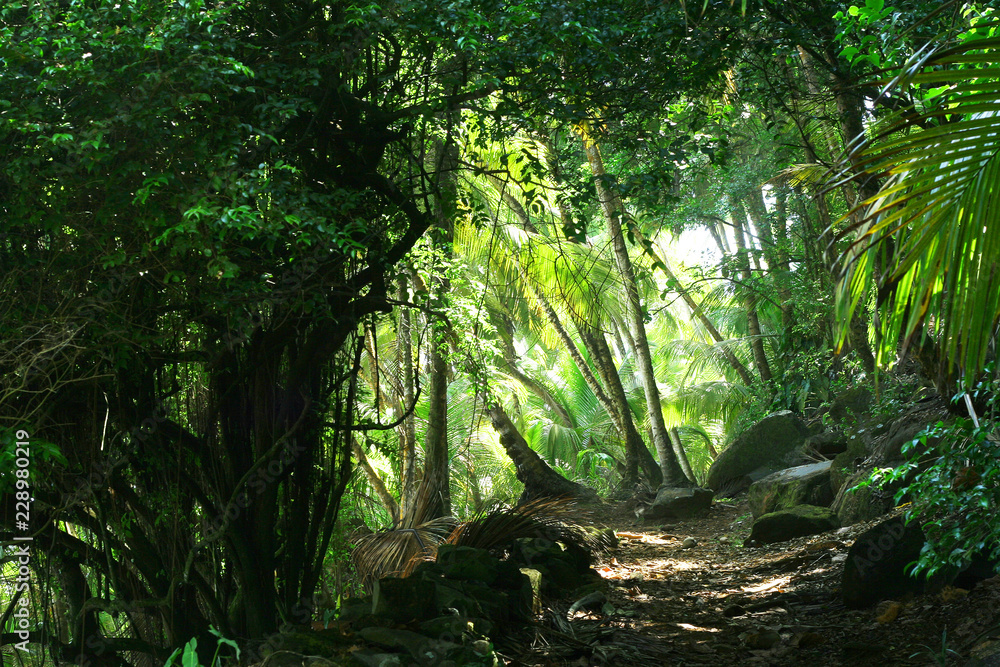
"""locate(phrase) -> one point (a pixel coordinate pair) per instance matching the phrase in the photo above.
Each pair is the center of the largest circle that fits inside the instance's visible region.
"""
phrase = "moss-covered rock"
(677, 503)
(851, 403)
(798, 521)
(864, 503)
(846, 463)
(564, 566)
(801, 485)
(769, 442)
(467, 563)
(405, 600)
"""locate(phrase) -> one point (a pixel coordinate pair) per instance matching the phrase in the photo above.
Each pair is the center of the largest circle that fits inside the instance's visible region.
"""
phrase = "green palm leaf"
(939, 206)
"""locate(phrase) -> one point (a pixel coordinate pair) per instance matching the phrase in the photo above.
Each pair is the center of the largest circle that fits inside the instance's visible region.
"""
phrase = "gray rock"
(904, 428)
(827, 444)
(765, 444)
(801, 485)
(876, 564)
(673, 503)
(852, 402)
(866, 503)
(798, 521)
(535, 579)
(847, 462)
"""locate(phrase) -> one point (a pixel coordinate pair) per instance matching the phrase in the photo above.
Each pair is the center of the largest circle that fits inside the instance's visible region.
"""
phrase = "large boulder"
(405, 600)
(846, 463)
(564, 567)
(888, 444)
(799, 521)
(851, 403)
(801, 485)
(677, 503)
(865, 503)
(876, 565)
(773, 443)
(827, 444)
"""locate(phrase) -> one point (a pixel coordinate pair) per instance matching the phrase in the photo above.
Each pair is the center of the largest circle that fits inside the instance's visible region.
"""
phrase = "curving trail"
(718, 603)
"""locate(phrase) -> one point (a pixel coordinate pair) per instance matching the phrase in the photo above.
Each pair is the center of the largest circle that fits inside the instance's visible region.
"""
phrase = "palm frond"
(805, 176)
(398, 552)
(496, 528)
(939, 208)
(394, 553)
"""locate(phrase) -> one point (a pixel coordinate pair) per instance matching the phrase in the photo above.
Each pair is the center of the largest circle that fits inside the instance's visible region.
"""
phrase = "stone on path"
(677, 503)
(772, 443)
(799, 521)
(801, 485)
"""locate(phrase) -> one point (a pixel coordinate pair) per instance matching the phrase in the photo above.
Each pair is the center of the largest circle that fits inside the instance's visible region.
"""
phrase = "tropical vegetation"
(277, 275)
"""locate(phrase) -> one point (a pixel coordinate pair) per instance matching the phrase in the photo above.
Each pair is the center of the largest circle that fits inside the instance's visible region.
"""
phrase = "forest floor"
(719, 603)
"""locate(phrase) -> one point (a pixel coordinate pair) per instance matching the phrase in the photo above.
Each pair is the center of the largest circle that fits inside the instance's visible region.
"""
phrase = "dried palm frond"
(394, 553)
(398, 552)
(557, 519)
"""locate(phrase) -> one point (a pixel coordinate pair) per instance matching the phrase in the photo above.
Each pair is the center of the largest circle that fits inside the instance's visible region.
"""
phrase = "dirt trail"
(718, 603)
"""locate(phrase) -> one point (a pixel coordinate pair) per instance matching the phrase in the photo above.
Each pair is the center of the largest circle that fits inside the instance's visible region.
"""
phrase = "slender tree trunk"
(617, 404)
(436, 497)
(408, 433)
(613, 211)
(753, 322)
(376, 482)
(562, 417)
(675, 439)
(600, 353)
(759, 219)
(783, 266)
(624, 424)
(716, 335)
(696, 309)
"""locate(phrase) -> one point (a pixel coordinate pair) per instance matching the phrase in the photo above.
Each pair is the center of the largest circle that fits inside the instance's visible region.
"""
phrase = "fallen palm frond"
(397, 552)
(394, 553)
(554, 518)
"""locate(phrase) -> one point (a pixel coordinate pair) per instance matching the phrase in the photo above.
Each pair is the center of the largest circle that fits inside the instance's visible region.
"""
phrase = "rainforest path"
(719, 603)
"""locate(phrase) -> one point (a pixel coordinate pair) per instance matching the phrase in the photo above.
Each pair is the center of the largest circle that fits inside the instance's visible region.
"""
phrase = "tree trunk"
(753, 322)
(600, 354)
(376, 482)
(613, 212)
(561, 416)
(675, 439)
(408, 435)
(435, 499)
(762, 225)
(696, 309)
(540, 480)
